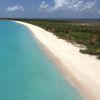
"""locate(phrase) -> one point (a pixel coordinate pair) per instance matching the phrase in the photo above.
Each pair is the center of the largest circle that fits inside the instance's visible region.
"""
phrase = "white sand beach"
(84, 68)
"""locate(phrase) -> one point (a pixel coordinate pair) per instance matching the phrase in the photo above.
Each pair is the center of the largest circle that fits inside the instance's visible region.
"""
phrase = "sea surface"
(26, 73)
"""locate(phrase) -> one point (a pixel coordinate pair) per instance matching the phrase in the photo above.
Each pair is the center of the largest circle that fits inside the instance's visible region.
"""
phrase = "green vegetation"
(85, 33)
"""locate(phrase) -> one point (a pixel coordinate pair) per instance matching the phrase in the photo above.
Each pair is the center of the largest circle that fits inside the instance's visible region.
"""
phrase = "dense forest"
(86, 33)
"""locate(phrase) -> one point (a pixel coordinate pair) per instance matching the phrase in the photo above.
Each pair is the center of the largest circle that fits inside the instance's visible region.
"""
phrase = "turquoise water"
(25, 71)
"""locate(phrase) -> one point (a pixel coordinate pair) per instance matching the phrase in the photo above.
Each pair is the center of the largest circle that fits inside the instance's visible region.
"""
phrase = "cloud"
(99, 11)
(44, 6)
(15, 8)
(73, 5)
(89, 6)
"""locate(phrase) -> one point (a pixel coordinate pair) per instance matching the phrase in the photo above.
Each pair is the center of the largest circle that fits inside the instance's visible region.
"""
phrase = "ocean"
(26, 72)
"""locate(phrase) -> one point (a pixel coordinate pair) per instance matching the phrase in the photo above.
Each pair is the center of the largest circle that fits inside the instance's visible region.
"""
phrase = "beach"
(83, 69)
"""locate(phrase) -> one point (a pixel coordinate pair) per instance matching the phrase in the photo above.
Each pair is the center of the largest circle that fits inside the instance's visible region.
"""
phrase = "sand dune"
(84, 68)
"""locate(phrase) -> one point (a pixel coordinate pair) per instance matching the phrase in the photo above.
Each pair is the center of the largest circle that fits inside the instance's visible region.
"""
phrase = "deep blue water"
(26, 73)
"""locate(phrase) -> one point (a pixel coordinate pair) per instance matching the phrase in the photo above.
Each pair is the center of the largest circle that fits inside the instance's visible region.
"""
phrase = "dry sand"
(84, 68)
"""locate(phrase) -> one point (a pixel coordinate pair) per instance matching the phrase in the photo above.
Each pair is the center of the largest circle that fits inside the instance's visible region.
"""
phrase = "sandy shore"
(84, 69)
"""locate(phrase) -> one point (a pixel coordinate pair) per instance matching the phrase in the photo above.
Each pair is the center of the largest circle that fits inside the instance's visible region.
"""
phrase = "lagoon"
(26, 72)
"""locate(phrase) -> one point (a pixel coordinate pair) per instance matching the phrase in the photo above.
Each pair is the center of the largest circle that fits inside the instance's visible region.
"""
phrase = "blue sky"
(50, 8)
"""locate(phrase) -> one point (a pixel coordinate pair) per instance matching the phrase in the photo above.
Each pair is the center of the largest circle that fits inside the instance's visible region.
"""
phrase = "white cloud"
(89, 6)
(15, 8)
(74, 5)
(44, 6)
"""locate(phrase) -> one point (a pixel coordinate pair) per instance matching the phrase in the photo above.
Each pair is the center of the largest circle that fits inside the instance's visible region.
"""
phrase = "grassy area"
(85, 33)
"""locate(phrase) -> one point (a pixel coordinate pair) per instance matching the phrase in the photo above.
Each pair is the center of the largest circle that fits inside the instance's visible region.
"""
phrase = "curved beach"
(84, 70)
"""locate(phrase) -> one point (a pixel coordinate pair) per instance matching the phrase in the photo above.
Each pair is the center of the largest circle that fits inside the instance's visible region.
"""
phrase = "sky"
(50, 8)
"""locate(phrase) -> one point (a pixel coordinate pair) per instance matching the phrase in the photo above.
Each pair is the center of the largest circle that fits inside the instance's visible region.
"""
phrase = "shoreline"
(74, 71)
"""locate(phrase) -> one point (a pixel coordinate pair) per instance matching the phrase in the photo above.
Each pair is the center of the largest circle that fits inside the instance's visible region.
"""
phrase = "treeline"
(85, 33)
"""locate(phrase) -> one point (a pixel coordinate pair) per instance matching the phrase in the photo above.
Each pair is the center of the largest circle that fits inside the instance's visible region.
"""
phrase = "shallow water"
(26, 73)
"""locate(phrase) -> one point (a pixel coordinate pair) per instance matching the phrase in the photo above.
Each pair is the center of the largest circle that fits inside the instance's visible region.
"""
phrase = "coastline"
(83, 70)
